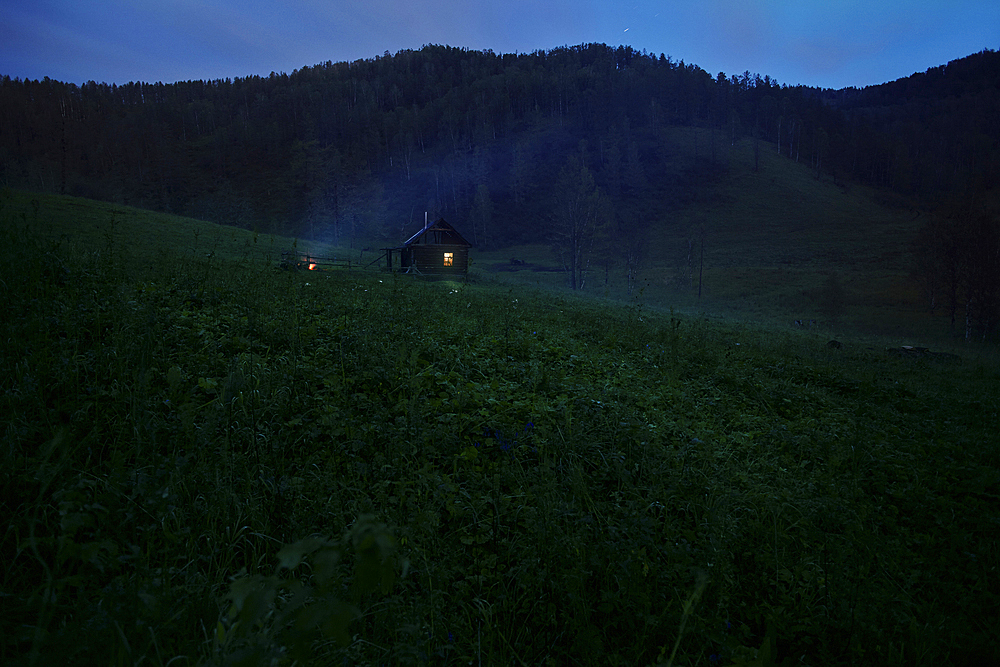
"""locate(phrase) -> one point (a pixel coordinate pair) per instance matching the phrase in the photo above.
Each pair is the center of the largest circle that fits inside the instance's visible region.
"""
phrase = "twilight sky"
(826, 43)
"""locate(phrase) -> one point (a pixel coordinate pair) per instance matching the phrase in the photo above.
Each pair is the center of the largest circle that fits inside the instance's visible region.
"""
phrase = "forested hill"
(940, 129)
(357, 152)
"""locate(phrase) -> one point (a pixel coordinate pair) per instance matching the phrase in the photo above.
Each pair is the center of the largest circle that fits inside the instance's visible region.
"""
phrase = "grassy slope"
(131, 236)
(774, 238)
(776, 235)
(561, 476)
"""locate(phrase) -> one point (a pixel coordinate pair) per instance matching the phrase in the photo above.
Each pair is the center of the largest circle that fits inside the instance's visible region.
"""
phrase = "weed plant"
(208, 460)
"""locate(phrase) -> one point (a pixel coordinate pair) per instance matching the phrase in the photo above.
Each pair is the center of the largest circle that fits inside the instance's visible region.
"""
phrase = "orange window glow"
(449, 258)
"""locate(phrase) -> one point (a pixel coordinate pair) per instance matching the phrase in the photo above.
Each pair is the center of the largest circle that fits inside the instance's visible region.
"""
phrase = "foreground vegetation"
(208, 460)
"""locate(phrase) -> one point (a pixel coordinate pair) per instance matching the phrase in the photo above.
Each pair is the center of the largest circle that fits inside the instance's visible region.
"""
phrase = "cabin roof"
(439, 233)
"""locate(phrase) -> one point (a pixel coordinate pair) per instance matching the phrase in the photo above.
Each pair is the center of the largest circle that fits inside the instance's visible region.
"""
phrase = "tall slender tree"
(580, 215)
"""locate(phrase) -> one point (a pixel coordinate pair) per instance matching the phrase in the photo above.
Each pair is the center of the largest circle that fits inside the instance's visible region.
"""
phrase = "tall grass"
(211, 460)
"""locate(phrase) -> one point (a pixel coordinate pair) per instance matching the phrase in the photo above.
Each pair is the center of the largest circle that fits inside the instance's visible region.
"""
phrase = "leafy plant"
(275, 616)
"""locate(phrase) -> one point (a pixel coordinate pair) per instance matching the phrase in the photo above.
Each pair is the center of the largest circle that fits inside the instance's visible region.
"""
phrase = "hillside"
(348, 150)
(857, 209)
(777, 240)
(211, 460)
(780, 245)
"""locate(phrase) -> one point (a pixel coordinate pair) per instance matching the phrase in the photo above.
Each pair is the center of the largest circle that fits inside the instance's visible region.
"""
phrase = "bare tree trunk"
(701, 264)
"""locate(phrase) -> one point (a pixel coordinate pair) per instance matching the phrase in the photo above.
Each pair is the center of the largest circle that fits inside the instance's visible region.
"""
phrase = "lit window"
(449, 258)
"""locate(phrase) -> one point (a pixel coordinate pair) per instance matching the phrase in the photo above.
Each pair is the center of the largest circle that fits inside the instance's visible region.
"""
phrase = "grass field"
(210, 460)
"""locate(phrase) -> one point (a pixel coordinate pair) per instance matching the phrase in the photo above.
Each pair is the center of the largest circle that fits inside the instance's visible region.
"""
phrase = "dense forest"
(354, 150)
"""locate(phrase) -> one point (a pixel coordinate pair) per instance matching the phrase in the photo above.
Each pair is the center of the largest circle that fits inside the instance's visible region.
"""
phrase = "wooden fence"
(309, 262)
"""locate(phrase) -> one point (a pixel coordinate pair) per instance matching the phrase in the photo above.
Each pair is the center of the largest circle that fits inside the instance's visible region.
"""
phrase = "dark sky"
(826, 43)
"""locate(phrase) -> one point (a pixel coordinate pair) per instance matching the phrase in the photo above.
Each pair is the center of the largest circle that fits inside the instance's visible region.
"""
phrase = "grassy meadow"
(211, 460)
(779, 245)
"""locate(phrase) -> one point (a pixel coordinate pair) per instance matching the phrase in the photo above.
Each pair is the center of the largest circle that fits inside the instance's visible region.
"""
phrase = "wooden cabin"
(437, 249)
